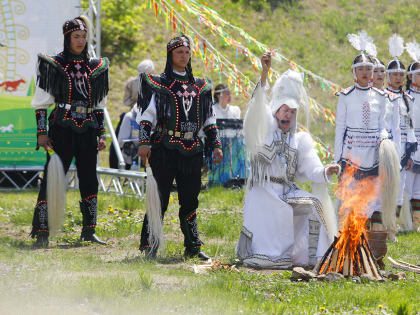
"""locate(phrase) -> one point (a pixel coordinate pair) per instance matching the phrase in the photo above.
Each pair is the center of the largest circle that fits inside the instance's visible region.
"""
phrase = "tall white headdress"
(396, 49)
(373, 53)
(413, 50)
(363, 43)
(289, 90)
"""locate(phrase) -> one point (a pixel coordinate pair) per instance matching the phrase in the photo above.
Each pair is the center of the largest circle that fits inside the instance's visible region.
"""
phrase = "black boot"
(196, 253)
(40, 225)
(41, 240)
(88, 235)
(192, 240)
(88, 207)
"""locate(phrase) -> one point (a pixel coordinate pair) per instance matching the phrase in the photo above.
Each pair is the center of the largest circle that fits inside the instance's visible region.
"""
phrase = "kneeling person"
(275, 232)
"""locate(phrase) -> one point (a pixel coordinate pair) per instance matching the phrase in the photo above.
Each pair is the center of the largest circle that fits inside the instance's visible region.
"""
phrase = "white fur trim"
(56, 194)
(154, 212)
(256, 121)
(406, 221)
(389, 177)
(304, 141)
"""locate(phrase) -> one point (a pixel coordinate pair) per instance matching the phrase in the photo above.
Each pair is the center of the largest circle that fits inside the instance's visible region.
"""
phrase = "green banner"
(18, 132)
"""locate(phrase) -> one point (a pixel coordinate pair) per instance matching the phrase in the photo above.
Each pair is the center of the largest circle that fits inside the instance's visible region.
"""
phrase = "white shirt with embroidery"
(360, 126)
(229, 112)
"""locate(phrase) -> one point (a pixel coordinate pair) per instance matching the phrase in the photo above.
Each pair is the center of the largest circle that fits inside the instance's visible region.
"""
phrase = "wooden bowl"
(377, 243)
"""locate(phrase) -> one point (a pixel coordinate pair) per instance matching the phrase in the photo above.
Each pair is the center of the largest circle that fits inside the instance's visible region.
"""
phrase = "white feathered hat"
(371, 50)
(396, 49)
(289, 90)
(413, 50)
(363, 43)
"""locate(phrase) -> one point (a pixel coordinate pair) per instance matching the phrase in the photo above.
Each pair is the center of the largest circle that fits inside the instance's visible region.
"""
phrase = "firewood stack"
(349, 260)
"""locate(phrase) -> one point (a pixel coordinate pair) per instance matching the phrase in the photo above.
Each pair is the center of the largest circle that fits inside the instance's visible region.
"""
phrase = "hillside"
(310, 32)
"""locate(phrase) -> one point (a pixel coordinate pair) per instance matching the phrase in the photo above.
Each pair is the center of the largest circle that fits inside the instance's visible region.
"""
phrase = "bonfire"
(350, 253)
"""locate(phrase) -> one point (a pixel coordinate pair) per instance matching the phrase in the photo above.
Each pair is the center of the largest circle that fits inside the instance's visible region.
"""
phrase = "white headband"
(395, 70)
(413, 71)
(364, 62)
(222, 90)
(361, 64)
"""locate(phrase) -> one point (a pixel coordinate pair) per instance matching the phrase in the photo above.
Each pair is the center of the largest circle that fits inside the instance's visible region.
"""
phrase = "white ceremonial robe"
(412, 186)
(406, 134)
(360, 126)
(275, 232)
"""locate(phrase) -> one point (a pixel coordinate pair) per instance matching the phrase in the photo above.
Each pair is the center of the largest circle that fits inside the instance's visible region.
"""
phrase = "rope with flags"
(206, 14)
(217, 62)
(328, 115)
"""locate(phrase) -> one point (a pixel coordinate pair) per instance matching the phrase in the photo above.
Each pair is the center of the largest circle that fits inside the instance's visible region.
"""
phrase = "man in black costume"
(175, 107)
(78, 86)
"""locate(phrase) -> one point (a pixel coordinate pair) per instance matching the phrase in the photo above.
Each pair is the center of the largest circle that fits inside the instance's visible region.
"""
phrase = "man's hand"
(44, 141)
(409, 165)
(266, 61)
(101, 143)
(333, 169)
(266, 65)
(144, 153)
(217, 155)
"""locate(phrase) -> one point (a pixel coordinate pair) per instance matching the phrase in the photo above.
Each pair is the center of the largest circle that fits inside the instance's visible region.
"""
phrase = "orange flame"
(356, 196)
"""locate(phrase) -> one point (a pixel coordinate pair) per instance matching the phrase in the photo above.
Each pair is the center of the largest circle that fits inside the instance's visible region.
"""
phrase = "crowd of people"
(173, 120)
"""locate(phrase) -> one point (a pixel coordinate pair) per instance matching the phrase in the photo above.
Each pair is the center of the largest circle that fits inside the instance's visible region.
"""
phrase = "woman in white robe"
(275, 232)
(222, 108)
(403, 103)
(364, 118)
(412, 186)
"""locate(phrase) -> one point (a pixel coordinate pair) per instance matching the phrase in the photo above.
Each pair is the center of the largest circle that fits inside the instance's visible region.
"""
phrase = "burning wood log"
(350, 254)
(322, 261)
(347, 262)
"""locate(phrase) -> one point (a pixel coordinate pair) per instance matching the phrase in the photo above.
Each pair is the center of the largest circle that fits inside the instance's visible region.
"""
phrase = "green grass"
(73, 277)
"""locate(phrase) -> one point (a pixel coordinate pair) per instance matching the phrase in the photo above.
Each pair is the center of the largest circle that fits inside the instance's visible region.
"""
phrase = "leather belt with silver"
(77, 109)
(277, 180)
(177, 134)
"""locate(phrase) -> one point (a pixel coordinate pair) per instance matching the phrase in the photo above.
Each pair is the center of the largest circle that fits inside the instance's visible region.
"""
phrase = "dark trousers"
(68, 144)
(168, 165)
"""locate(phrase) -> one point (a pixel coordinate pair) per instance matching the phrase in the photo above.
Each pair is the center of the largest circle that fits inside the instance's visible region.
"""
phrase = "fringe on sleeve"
(52, 78)
(99, 82)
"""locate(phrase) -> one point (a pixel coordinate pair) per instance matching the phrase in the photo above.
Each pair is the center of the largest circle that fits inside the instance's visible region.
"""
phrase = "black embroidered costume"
(78, 87)
(175, 107)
